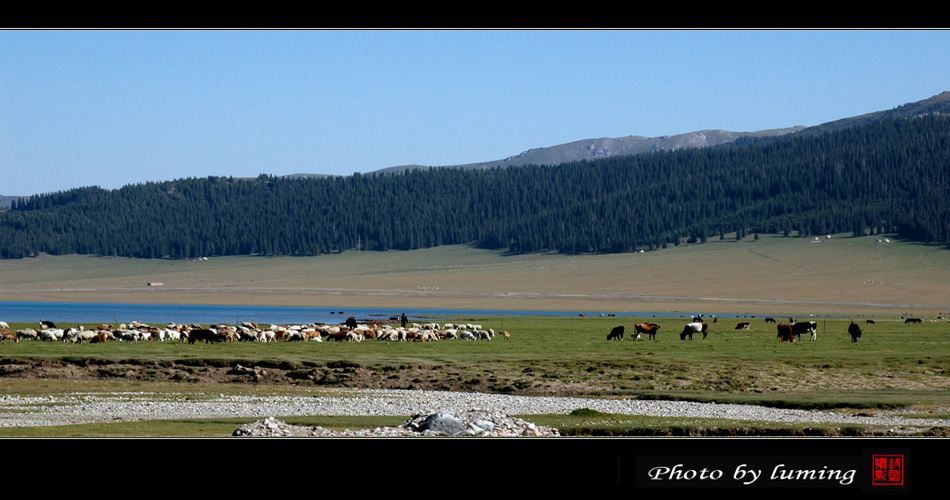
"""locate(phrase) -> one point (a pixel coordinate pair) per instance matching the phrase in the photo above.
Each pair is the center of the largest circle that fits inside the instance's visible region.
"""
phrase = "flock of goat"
(351, 331)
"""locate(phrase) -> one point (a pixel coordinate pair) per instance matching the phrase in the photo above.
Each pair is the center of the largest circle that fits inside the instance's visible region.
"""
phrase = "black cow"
(855, 331)
(616, 333)
(806, 326)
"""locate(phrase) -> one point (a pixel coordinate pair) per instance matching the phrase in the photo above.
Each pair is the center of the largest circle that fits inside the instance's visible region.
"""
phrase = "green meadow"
(891, 366)
(832, 281)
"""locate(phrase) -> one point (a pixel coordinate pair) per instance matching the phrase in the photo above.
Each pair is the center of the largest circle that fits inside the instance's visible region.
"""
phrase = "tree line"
(885, 177)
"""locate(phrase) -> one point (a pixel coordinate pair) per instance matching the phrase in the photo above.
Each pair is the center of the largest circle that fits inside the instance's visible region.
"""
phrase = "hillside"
(888, 176)
(936, 105)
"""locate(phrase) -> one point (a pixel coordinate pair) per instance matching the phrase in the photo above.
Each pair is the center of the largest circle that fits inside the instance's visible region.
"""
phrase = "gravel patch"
(474, 422)
(17, 411)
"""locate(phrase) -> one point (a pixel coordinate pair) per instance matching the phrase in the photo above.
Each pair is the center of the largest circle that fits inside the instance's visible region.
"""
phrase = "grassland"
(837, 279)
(893, 365)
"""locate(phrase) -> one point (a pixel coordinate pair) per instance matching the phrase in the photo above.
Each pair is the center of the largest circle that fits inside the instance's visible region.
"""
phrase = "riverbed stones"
(474, 422)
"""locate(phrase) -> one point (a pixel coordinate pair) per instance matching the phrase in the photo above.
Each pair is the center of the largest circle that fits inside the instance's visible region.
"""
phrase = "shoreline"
(390, 299)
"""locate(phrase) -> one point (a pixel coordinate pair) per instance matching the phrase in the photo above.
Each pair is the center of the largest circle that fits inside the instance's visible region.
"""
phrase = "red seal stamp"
(887, 470)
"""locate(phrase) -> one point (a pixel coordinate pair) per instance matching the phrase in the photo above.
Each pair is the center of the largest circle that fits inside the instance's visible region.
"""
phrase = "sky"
(110, 108)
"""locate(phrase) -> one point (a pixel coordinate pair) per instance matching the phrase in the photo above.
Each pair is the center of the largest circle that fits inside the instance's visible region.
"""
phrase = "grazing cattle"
(912, 320)
(692, 328)
(203, 334)
(506, 334)
(47, 325)
(3, 324)
(743, 326)
(807, 326)
(616, 333)
(770, 320)
(647, 328)
(100, 338)
(870, 321)
(855, 331)
(8, 335)
(785, 333)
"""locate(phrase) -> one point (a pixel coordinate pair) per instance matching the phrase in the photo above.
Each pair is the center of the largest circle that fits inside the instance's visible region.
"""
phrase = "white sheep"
(27, 333)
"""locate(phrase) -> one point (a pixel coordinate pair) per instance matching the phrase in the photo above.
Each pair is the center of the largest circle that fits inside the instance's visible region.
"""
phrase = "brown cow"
(785, 333)
(8, 335)
(647, 328)
(101, 338)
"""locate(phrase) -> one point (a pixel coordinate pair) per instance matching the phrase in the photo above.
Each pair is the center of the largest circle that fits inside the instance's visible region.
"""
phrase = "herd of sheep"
(351, 331)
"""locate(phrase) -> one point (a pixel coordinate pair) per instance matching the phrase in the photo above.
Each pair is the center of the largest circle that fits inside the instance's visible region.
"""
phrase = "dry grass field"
(772, 275)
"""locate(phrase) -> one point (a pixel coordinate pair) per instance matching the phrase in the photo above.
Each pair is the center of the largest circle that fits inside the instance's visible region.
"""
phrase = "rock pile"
(474, 422)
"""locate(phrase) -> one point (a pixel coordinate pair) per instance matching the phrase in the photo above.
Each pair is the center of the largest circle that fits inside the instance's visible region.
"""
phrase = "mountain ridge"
(605, 147)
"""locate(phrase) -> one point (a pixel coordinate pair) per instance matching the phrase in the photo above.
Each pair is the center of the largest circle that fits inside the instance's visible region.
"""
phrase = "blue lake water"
(72, 312)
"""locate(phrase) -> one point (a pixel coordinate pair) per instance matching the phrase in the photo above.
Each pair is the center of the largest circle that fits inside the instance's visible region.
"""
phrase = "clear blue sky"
(110, 108)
